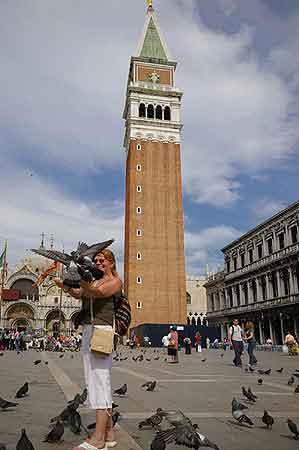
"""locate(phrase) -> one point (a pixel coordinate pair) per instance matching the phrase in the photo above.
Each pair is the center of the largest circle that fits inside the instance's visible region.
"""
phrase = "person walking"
(97, 368)
(187, 343)
(250, 339)
(198, 340)
(236, 340)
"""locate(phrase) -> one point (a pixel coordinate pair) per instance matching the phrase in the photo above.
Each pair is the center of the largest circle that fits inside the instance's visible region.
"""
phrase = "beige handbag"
(102, 340)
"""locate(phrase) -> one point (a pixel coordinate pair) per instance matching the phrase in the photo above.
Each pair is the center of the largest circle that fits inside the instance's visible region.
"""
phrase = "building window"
(150, 112)
(264, 287)
(139, 305)
(238, 295)
(138, 188)
(245, 291)
(138, 168)
(142, 110)
(188, 298)
(243, 260)
(254, 290)
(138, 280)
(167, 115)
(55, 300)
(138, 147)
(159, 112)
(270, 246)
(260, 251)
(235, 263)
(294, 234)
(138, 232)
(250, 255)
(281, 241)
(138, 256)
(227, 266)
(138, 210)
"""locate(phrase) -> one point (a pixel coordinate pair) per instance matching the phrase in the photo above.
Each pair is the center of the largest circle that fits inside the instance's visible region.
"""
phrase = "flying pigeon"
(267, 420)
(293, 428)
(122, 390)
(24, 442)
(153, 421)
(22, 391)
(79, 263)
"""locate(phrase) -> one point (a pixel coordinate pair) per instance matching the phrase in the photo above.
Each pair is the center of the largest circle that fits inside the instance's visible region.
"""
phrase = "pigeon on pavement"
(24, 442)
(251, 393)
(260, 381)
(22, 391)
(249, 396)
(36, 362)
(122, 390)
(267, 420)
(56, 433)
(293, 428)
(238, 414)
(279, 370)
(291, 381)
(296, 391)
(4, 404)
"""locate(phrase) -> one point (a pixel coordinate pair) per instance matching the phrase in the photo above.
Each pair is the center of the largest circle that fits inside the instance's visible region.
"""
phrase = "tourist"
(290, 342)
(236, 340)
(250, 339)
(198, 340)
(97, 369)
(187, 344)
(165, 342)
(173, 345)
(208, 342)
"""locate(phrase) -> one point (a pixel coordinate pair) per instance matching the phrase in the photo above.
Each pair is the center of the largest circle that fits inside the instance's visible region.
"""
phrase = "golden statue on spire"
(149, 4)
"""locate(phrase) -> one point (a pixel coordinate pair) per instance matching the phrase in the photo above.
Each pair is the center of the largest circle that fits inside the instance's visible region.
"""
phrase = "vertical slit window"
(142, 110)
(159, 112)
(150, 112)
(167, 115)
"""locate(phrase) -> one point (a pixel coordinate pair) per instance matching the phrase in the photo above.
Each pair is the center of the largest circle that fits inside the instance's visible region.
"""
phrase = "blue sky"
(63, 76)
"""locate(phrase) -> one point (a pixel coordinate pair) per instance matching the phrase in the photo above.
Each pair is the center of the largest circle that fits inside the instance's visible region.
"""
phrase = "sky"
(64, 68)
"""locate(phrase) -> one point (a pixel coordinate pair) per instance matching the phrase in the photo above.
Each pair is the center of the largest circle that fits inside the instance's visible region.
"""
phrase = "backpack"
(122, 313)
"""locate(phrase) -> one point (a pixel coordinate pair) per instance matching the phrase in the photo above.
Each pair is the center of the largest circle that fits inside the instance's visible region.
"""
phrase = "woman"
(97, 369)
(173, 345)
(290, 341)
(250, 339)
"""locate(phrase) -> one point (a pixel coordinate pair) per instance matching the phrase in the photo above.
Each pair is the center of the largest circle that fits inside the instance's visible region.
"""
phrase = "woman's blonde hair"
(109, 255)
(249, 324)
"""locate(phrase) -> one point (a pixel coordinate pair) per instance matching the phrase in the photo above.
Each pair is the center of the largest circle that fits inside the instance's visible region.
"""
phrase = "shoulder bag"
(102, 340)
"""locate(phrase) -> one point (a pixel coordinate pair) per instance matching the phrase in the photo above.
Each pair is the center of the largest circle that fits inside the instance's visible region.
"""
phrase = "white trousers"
(97, 372)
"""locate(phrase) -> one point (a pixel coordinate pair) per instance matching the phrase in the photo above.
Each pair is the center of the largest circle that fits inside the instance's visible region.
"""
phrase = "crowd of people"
(19, 341)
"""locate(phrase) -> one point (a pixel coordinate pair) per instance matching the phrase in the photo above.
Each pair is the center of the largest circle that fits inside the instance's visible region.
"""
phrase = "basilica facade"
(43, 309)
(260, 280)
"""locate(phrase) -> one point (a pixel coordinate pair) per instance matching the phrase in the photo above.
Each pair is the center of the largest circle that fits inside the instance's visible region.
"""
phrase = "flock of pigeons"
(169, 426)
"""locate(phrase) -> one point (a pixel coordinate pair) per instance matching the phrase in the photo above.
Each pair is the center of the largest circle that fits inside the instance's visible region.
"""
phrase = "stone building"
(260, 280)
(196, 301)
(154, 261)
(36, 309)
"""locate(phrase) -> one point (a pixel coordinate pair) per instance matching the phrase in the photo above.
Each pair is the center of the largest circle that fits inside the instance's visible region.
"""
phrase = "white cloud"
(266, 207)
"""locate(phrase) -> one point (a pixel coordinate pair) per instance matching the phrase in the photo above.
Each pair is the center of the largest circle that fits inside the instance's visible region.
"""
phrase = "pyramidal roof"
(152, 44)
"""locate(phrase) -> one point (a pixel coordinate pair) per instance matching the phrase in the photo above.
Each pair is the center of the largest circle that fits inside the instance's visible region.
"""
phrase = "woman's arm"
(76, 293)
(107, 289)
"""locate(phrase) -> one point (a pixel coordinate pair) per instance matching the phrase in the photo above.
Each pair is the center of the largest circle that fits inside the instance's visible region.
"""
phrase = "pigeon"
(293, 428)
(38, 361)
(148, 359)
(260, 381)
(122, 390)
(183, 433)
(24, 442)
(238, 414)
(291, 381)
(204, 360)
(296, 375)
(83, 396)
(264, 372)
(249, 396)
(115, 417)
(147, 384)
(75, 422)
(64, 416)
(22, 391)
(141, 357)
(79, 263)
(296, 391)
(157, 358)
(151, 387)
(4, 404)
(153, 421)
(267, 420)
(61, 356)
(268, 372)
(251, 393)
(56, 433)
(251, 369)
(279, 370)
(1, 354)
(46, 362)
(222, 354)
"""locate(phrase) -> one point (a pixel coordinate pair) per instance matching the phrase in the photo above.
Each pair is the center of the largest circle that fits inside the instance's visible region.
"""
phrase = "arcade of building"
(260, 281)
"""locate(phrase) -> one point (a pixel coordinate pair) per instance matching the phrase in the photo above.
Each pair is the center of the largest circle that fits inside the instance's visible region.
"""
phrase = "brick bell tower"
(154, 271)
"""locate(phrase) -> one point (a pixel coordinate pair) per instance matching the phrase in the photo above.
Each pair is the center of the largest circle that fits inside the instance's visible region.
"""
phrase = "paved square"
(202, 390)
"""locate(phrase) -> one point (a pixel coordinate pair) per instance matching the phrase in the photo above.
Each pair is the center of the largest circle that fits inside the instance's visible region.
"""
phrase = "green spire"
(152, 46)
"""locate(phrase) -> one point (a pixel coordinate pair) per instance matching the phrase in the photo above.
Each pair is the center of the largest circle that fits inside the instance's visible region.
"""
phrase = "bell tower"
(154, 272)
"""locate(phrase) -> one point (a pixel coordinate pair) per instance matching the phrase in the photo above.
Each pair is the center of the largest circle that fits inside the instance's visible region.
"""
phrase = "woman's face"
(102, 263)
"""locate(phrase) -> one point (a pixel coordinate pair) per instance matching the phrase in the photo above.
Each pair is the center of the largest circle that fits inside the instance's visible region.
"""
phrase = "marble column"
(272, 337)
(281, 327)
(291, 281)
(261, 333)
(222, 331)
(269, 285)
(250, 292)
(258, 289)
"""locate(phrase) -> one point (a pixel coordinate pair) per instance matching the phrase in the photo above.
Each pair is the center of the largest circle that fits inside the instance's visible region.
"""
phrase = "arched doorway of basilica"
(53, 319)
(20, 316)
